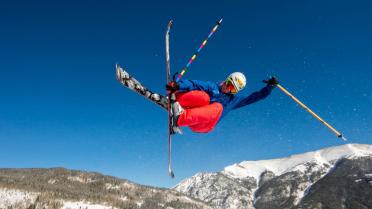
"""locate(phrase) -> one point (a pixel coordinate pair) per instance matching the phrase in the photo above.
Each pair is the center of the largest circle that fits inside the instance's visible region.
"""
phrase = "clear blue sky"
(60, 104)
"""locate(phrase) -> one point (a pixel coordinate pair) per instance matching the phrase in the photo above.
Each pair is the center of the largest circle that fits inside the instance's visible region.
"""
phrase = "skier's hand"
(172, 86)
(272, 81)
(175, 75)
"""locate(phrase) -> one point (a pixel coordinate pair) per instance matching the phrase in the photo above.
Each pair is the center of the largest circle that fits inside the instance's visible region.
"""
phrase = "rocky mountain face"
(333, 178)
(69, 189)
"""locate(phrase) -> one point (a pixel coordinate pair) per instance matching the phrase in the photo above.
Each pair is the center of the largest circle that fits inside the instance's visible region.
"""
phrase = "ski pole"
(339, 135)
(200, 48)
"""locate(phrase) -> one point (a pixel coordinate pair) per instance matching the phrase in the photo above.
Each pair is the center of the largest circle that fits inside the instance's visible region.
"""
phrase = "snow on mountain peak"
(279, 166)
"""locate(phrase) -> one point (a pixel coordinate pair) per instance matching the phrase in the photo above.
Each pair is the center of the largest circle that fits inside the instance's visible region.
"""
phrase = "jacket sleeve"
(189, 85)
(254, 97)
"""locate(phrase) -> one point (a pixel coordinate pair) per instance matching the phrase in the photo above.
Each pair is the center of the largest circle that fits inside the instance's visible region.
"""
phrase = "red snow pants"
(199, 115)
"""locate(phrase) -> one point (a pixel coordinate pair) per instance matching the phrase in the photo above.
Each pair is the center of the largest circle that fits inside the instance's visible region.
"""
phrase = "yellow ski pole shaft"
(311, 112)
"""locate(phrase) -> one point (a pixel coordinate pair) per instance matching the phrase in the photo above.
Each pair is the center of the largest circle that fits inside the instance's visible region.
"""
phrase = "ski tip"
(170, 23)
(220, 21)
(118, 72)
(171, 174)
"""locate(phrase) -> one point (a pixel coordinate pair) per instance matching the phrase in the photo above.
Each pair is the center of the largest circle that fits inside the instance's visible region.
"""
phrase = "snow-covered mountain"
(337, 177)
(59, 188)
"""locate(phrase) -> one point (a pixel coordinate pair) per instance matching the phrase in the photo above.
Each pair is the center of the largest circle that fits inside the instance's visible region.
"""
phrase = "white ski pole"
(339, 135)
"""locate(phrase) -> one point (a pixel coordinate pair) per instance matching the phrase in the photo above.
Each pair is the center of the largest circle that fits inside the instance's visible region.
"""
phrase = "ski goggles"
(230, 86)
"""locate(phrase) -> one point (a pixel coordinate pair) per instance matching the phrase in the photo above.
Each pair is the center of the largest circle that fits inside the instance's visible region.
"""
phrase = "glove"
(172, 86)
(272, 81)
(175, 75)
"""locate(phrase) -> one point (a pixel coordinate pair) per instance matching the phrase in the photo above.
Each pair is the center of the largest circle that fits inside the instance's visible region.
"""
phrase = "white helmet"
(238, 80)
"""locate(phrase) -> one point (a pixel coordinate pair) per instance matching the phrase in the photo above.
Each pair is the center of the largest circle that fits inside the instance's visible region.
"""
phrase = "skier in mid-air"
(201, 104)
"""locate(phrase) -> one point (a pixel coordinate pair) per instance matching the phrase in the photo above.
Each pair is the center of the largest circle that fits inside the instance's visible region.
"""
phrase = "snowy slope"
(16, 198)
(82, 204)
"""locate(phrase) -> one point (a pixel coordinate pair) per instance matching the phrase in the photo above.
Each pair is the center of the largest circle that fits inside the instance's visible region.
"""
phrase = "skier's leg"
(201, 119)
(192, 99)
(202, 128)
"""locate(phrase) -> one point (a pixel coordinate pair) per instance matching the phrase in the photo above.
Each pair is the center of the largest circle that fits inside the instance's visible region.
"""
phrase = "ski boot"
(176, 110)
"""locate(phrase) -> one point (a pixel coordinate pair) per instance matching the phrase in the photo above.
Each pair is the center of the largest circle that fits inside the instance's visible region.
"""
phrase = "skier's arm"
(255, 96)
(189, 85)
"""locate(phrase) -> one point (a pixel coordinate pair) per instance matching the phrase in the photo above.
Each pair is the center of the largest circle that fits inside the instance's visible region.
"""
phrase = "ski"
(133, 84)
(170, 97)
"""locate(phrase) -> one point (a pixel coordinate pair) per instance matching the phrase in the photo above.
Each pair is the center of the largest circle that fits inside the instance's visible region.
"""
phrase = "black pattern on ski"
(128, 81)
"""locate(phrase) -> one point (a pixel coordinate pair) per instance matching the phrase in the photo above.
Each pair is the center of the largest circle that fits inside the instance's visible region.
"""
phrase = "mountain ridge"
(323, 156)
(74, 189)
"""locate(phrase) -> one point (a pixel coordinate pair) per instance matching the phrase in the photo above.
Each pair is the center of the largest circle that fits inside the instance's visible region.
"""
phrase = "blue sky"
(60, 104)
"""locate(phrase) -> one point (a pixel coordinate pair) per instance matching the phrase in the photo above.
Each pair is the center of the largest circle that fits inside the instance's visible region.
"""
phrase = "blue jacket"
(228, 101)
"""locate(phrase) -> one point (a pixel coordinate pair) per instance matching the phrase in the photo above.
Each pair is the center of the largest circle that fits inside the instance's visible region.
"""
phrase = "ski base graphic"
(133, 84)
